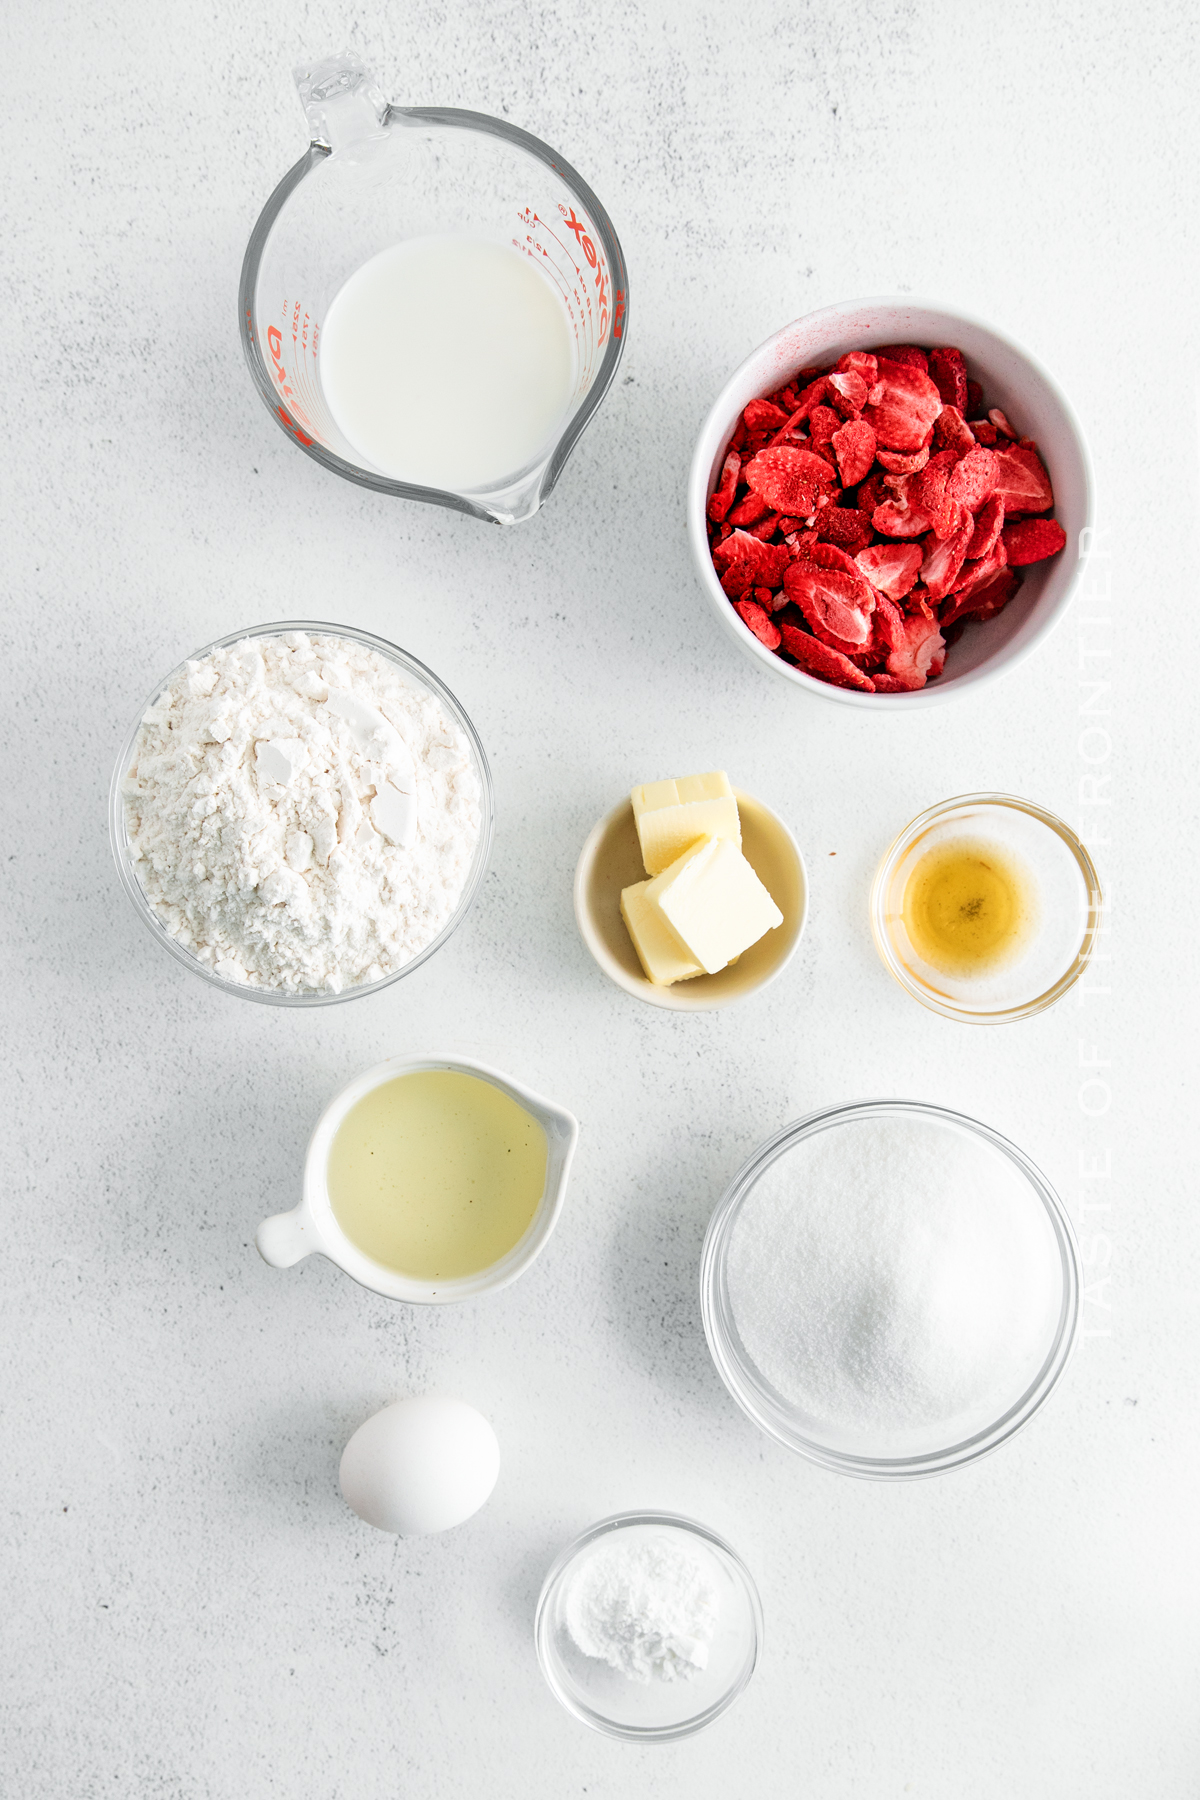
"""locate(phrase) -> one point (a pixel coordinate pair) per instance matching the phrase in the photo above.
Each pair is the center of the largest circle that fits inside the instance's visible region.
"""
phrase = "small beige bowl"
(611, 859)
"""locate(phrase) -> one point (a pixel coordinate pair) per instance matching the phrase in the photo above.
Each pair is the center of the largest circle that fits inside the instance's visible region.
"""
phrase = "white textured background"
(189, 1610)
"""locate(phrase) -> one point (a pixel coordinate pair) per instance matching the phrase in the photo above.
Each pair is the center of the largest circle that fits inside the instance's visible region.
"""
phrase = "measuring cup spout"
(342, 101)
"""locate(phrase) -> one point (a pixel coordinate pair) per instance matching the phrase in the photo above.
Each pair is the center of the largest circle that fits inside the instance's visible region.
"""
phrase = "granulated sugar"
(298, 815)
(893, 1274)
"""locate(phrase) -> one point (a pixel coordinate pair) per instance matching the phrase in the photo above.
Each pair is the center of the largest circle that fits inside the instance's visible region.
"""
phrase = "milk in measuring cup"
(447, 361)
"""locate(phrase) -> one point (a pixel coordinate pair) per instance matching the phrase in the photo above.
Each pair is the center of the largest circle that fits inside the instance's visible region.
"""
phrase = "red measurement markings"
(591, 254)
(576, 226)
(531, 247)
(275, 345)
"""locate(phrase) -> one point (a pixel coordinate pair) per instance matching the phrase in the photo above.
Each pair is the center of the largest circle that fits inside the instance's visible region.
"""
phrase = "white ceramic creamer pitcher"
(376, 174)
(311, 1226)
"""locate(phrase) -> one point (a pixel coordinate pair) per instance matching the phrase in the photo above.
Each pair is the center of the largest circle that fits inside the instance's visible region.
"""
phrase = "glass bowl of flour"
(890, 1289)
(648, 1627)
(301, 813)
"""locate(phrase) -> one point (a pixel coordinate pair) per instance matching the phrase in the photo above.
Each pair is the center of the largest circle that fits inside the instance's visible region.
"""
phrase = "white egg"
(420, 1465)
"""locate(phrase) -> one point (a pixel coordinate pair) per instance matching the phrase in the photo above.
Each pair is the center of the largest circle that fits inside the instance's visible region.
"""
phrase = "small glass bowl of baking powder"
(700, 1683)
(415, 675)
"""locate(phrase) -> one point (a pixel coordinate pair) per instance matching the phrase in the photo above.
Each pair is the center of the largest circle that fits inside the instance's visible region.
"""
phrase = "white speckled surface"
(189, 1609)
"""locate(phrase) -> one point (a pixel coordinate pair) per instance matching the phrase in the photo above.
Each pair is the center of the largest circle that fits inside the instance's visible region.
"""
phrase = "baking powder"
(648, 1608)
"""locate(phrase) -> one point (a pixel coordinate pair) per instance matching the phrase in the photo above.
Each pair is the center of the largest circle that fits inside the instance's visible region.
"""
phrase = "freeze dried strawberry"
(887, 627)
(832, 556)
(909, 354)
(974, 396)
(984, 432)
(801, 545)
(722, 495)
(1000, 422)
(944, 558)
(750, 507)
(1022, 482)
(933, 487)
(858, 362)
(973, 478)
(996, 558)
(890, 568)
(988, 521)
(987, 593)
(948, 372)
(872, 493)
(951, 432)
(789, 480)
(1032, 540)
(810, 396)
(920, 654)
(831, 599)
(897, 464)
(764, 415)
(844, 526)
(765, 528)
(931, 483)
(848, 392)
(974, 579)
(909, 405)
(854, 447)
(744, 562)
(764, 628)
(762, 597)
(996, 595)
(903, 516)
(817, 658)
(822, 423)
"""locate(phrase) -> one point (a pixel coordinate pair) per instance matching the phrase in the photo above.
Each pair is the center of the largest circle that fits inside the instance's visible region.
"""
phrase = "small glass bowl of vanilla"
(986, 908)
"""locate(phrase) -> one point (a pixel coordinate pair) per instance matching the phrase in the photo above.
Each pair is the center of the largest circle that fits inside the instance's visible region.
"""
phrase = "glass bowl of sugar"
(648, 1626)
(301, 813)
(890, 1289)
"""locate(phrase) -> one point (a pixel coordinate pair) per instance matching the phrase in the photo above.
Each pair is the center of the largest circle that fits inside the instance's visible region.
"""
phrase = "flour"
(299, 817)
(648, 1608)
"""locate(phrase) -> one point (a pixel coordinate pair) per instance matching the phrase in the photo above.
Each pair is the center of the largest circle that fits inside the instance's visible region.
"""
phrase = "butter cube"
(671, 815)
(659, 951)
(713, 902)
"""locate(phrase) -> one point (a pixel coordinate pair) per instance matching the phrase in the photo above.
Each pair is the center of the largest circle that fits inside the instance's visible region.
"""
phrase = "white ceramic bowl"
(1012, 380)
(611, 859)
(286, 1238)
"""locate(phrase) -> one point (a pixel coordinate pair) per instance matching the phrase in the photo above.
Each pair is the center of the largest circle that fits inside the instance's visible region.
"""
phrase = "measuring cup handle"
(342, 101)
(285, 1237)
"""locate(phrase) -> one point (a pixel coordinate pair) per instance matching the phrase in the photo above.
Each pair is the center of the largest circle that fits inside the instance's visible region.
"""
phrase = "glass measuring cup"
(375, 174)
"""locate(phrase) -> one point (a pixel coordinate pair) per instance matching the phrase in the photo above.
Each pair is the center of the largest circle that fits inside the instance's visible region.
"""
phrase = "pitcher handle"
(285, 1238)
(342, 101)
